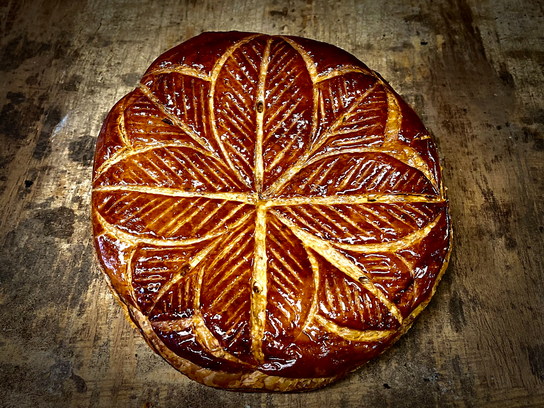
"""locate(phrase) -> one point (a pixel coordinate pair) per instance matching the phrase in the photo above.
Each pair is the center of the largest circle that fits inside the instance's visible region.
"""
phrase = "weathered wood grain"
(474, 72)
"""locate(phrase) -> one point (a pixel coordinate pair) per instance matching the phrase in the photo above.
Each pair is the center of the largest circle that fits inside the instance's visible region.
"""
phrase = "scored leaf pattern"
(234, 107)
(146, 125)
(358, 173)
(162, 217)
(260, 198)
(181, 168)
(226, 292)
(362, 223)
(290, 282)
(353, 112)
(162, 288)
(349, 304)
(288, 113)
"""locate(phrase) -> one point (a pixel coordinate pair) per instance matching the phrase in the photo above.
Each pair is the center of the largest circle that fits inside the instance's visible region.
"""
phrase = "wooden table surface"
(473, 70)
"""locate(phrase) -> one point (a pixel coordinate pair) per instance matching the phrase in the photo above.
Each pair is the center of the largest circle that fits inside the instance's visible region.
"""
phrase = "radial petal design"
(268, 214)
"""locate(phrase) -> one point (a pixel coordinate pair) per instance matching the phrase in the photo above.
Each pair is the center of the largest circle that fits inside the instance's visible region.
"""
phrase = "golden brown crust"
(268, 211)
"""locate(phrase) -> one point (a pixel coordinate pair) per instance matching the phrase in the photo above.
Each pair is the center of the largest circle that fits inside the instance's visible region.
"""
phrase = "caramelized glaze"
(269, 212)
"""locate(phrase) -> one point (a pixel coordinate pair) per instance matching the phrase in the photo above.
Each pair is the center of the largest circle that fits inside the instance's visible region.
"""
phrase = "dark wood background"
(472, 69)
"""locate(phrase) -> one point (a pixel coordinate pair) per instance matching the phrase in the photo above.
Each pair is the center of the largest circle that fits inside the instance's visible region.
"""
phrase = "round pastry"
(268, 211)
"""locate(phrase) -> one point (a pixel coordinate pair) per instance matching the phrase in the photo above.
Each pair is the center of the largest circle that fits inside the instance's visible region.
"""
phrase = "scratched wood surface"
(473, 70)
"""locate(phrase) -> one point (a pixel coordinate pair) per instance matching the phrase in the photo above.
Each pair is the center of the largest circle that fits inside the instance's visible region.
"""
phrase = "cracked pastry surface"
(268, 211)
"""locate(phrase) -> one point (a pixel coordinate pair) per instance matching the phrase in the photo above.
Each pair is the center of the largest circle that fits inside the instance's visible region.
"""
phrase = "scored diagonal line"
(279, 50)
(180, 70)
(122, 129)
(245, 55)
(270, 131)
(172, 192)
(352, 334)
(206, 338)
(285, 112)
(356, 199)
(393, 246)
(283, 262)
(127, 148)
(340, 72)
(272, 95)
